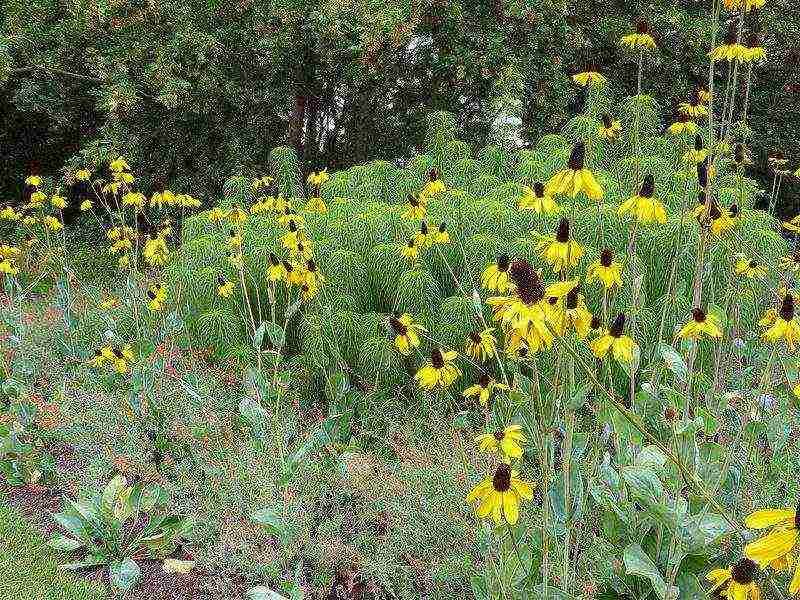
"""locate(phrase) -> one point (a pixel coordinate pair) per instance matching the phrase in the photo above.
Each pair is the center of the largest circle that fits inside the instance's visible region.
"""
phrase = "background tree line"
(195, 90)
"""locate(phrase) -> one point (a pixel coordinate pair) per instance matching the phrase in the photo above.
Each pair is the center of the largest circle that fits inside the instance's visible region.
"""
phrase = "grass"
(29, 567)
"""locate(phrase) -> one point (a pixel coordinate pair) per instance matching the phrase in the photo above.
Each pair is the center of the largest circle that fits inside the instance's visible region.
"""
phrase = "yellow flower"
(639, 40)
(559, 250)
(155, 252)
(261, 182)
(37, 198)
(289, 215)
(82, 175)
(736, 582)
(263, 204)
(589, 77)
(433, 186)
(119, 164)
(86, 205)
(120, 358)
(276, 270)
(605, 270)
(507, 441)
(571, 312)
(697, 154)
(495, 276)
(52, 223)
(481, 345)
(536, 200)
(440, 236)
(484, 389)
(58, 202)
(109, 303)
(216, 214)
(683, 126)
(9, 214)
(224, 288)
(755, 52)
(236, 215)
(8, 268)
(33, 180)
(643, 206)
(747, 4)
(423, 238)
(730, 49)
(316, 204)
(406, 333)
(694, 107)
(415, 208)
(499, 496)
(575, 178)
(440, 371)
(793, 224)
(410, 250)
(720, 221)
(785, 326)
(610, 128)
(318, 179)
(620, 345)
(778, 543)
(156, 297)
(749, 268)
(700, 325)
(135, 199)
(7, 251)
(791, 263)
(294, 274)
(234, 239)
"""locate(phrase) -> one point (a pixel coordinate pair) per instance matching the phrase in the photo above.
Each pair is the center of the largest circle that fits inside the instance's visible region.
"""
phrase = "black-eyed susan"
(694, 107)
(236, 215)
(499, 496)
(9, 214)
(640, 39)
(293, 274)
(312, 276)
(537, 200)
(481, 344)
(440, 371)
(58, 202)
(575, 178)
(697, 154)
(610, 128)
(316, 204)
(415, 208)
(156, 297)
(33, 180)
(790, 262)
(701, 325)
(275, 271)
(748, 5)
(122, 358)
(410, 250)
(777, 549)
(484, 389)
(406, 333)
(737, 582)
(423, 237)
(119, 165)
(52, 223)
(224, 287)
(317, 179)
(643, 206)
(434, 185)
(570, 313)
(683, 125)
(495, 277)
(234, 239)
(507, 441)
(441, 235)
(303, 249)
(560, 251)
(785, 325)
(216, 214)
(134, 199)
(155, 251)
(749, 268)
(705, 173)
(590, 77)
(86, 205)
(605, 270)
(263, 204)
(755, 51)
(711, 215)
(620, 345)
(730, 49)
(9, 267)
(793, 224)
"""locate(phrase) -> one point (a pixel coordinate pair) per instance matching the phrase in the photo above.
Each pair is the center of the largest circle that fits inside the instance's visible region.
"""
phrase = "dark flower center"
(606, 257)
(642, 27)
(595, 324)
(289, 268)
(151, 294)
(752, 264)
(273, 260)
(501, 481)
(397, 326)
(523, 351)
(648, 186)
(442, 227)
(562, 233)
(413, 201)
(577, 157)
(220, 280)
(753, 41)
(475, 337)
(607, 123)
(734, 210)
(617, 326)
(410, 243)
(433, 175)
(503, 261)
(292, 226)
(739, 154)
(714, 213)
(436, 359)
(787, 308)
(529, 286)
(744, 571)
(572, 298)
(698, 143)
(484, 380)
(682, 118)
(694, 98)
(698, 315)
(311, 265)
(731, 35)
(702, 174)
(499, 435)
(423, 227)
(538, 189)
(117, 352)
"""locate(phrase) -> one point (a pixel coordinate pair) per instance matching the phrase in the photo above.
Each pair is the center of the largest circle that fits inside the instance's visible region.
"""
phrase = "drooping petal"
(761, 519)
(510, 507)
(773, 545)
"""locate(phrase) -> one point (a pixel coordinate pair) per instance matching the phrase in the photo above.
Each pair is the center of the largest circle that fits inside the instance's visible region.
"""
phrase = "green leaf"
(62, 543)
(272, 522)
(73, 525)
(578, 398)
(674, 362)
(111, 491)
(123, 574)
(643, 482)
(638, 563)
(258, 336)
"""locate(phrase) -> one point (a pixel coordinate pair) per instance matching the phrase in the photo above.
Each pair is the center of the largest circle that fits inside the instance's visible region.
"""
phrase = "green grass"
(29, 569)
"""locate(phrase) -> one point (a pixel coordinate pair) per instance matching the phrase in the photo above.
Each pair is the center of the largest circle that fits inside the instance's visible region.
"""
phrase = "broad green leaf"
(123, 574)
(674, 362)
(643, 482)
(111, 491)
(638, 563)
(65, 544)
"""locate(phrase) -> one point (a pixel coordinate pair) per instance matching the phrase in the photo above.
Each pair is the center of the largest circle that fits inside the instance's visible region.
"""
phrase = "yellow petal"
(794, 586)
(761, 519)
(773, 545)
(510, 507)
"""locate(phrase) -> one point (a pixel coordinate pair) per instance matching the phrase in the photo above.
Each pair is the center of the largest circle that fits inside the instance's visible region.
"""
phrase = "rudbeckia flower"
(119, 164)
(755, 52)
(58, 202)
(441, 236)
(9, 214)
(481, 345)
(785, 326)
(293, 274)
(793, 225)
(423, 237)
(410, 250)
(610, 128)
(776, 548)
(639, 40)
(620, 345)
(747, 4)
(694, 107)
(439, 371)
(730, 49)
(406, 333)
(571, 313)
(236, 215)
(697, 154)
(135, 199)
(575, 178)
(702, 324)
(590, 77)
(33, 180)
(319, 178)
(316, 204)
(224, 288)
(605, 270)
(560, 251)
(495, 277)
(216, 214)
(507, 441)
(499, 496)
(7, 267)
(52, 223)
(484, 389)
(749, 268)
(86, 205)
(264, 182)
(643, 206)
(736, 582)
(433, 187)
(720, 221)
(155, 252)
(156, 296)
(415, 208)
(536, 200)
(683, 126)
(791, 263)
(275, 271)
(121, 358)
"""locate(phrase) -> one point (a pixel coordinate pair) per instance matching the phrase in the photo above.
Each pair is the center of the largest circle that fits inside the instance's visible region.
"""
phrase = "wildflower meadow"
(514, 358)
